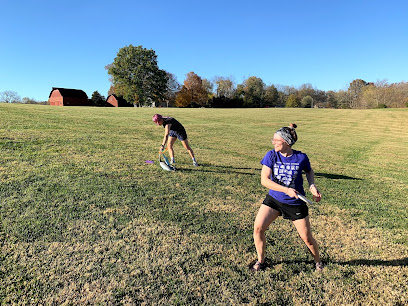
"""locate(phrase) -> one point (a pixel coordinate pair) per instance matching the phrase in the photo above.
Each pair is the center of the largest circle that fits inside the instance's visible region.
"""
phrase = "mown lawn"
(83, 218)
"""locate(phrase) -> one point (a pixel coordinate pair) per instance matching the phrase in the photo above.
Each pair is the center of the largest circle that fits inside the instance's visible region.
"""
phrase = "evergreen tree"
(97, 99)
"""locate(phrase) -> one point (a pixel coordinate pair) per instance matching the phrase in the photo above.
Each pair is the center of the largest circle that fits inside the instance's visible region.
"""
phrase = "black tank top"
(175, 125)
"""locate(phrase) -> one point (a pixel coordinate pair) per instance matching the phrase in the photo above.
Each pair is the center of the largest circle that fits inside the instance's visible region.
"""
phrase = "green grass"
(83, 218)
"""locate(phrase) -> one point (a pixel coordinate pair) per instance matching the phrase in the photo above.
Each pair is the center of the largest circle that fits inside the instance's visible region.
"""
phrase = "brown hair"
(288, 133)
(292, 130)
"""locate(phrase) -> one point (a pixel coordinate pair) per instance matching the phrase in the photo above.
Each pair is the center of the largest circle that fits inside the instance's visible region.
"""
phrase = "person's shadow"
(403, 262)
(336, 176)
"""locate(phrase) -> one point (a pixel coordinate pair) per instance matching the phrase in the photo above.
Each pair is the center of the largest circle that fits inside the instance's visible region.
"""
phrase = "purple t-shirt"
(287, 171)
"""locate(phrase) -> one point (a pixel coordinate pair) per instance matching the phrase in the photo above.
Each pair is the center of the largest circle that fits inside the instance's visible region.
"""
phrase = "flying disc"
(304, 199)
(149, 162)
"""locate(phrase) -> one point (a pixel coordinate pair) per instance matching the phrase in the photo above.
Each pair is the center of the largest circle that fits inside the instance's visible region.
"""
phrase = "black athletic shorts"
(291, 212)
(181, 134)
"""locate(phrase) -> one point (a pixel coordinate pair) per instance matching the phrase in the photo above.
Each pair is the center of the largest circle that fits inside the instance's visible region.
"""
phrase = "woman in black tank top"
(173, 130)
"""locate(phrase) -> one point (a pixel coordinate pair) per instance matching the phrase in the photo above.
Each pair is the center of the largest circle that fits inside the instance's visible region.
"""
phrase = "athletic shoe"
(257, 266)
(195, 164)
(319, 266)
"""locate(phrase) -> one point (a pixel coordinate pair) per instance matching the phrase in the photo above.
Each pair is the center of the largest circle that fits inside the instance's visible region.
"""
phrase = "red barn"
(116, 101)
(68, 97)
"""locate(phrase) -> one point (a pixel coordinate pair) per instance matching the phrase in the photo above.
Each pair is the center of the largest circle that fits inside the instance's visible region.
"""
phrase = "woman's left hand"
(316, 194)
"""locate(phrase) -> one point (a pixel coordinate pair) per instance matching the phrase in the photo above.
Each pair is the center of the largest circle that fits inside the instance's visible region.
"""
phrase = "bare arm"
(313, 189)
(268, 183)
(166, 134)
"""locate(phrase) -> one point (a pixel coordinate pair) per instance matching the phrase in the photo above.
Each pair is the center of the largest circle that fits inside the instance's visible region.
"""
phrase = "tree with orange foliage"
(193, 91)
(183, 97)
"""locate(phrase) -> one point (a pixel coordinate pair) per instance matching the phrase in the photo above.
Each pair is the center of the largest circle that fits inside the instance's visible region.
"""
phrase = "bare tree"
(10, 97)
(173, 87)
(224, 87)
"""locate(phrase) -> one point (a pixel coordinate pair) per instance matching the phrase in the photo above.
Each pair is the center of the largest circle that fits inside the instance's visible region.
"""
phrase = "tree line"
(136, 76)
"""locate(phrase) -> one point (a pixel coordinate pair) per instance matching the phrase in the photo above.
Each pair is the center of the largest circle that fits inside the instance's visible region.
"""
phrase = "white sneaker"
(195, 163)
(319, 266)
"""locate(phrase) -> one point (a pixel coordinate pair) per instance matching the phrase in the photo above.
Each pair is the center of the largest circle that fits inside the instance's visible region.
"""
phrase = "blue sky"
(45, 44)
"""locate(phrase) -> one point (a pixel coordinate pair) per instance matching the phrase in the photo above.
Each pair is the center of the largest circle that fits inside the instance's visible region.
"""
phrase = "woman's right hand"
(292, 193)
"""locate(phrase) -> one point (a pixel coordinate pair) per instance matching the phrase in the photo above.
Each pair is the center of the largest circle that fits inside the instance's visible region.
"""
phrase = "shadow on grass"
(269, 263)
(403, 262)
(337, 176)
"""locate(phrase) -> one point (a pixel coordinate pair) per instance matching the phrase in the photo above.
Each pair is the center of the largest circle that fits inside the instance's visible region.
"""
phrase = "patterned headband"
(287, 136)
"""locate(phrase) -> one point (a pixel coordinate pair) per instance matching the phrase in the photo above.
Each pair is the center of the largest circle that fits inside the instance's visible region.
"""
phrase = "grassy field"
(83, 218)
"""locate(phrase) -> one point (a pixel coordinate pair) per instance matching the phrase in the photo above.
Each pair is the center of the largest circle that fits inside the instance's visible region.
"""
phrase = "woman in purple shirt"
(282, 175)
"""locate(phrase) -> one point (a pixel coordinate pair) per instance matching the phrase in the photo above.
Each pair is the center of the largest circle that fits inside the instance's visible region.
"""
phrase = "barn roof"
(72, 93)
(118, 98)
